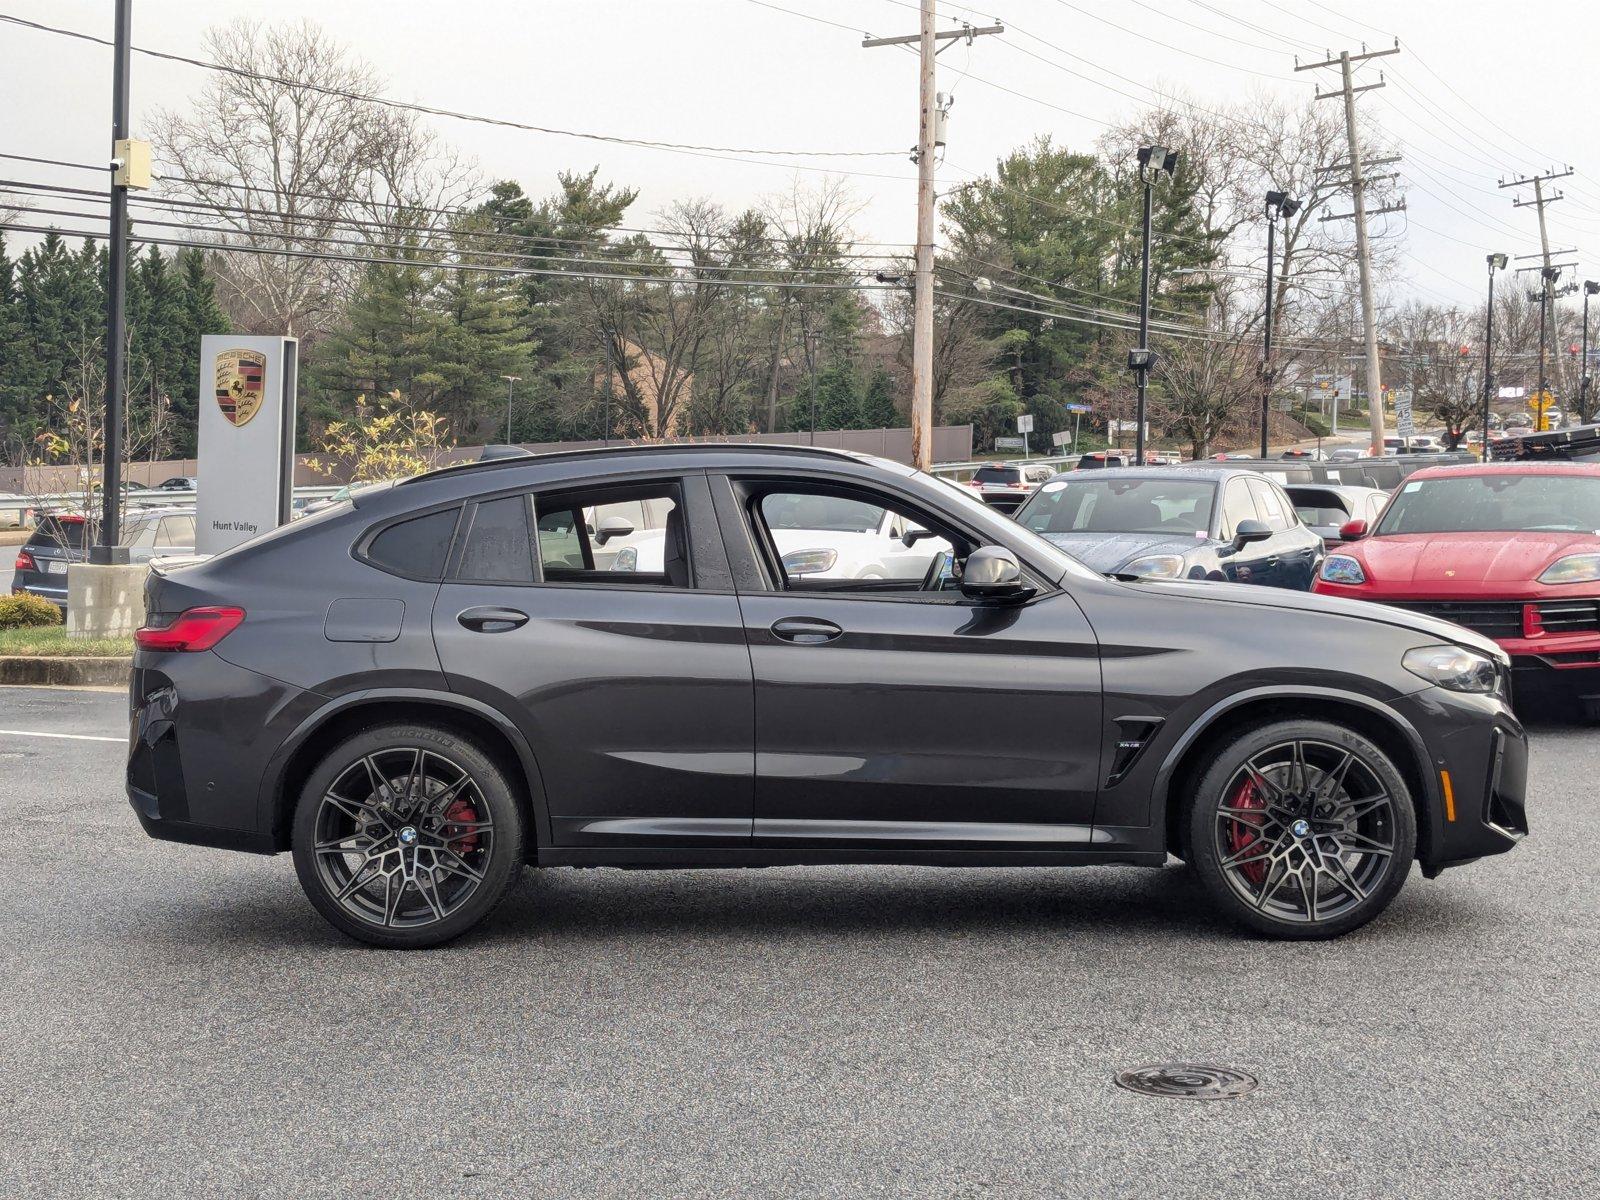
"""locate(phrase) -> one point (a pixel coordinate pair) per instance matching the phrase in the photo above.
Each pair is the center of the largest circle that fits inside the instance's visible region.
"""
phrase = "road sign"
(1404, 423)
(1512, 393)
(1010, 443)
(1025, 423)
(1543, 402)
(1080, 408)
(1062, 437)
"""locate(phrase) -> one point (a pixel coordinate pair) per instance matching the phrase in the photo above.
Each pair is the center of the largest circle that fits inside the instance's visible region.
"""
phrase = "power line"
(431, 110)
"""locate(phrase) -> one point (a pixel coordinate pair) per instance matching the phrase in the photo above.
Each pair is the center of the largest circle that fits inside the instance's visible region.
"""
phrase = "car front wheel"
(1302, 829)
(406, 836)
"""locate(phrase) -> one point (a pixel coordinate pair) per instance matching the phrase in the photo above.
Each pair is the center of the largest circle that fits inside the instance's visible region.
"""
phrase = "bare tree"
(281, 151)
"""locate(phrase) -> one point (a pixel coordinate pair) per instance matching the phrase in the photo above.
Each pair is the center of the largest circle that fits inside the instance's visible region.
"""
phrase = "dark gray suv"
(424, 688)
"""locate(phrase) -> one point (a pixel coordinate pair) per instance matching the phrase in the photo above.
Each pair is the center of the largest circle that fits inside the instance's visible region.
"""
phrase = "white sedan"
(822, 538)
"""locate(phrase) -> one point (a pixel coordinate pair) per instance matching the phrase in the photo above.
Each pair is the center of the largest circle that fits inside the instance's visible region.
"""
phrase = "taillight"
(192, 629)
(25, 561)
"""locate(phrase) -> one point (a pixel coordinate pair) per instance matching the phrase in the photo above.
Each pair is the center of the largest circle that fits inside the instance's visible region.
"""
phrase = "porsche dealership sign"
(246, 459)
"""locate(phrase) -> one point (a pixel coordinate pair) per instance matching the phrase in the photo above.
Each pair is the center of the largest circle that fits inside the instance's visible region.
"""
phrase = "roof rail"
(494, 464)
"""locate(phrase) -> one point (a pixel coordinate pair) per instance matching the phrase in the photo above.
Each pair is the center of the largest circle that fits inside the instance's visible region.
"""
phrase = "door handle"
(492, 620)
(1273, 560)
(805, 631)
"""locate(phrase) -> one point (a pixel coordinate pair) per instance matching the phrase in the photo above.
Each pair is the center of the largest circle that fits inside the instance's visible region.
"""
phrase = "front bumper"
(1478, 775)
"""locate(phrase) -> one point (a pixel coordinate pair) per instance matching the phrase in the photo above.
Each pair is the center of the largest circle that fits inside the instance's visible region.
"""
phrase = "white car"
(816, 537)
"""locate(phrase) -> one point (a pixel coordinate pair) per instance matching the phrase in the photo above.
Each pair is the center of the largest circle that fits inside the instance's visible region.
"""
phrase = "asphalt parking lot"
(179, 1021)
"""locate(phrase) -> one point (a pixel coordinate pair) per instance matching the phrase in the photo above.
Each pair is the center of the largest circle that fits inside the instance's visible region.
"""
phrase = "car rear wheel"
(1302, 829)
(407, 836)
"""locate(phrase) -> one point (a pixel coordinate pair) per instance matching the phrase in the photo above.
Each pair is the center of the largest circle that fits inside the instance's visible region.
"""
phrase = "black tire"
(1307, 849)
(419, 811)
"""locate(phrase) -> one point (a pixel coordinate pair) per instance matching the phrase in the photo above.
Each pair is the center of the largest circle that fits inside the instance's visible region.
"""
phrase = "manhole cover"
(1187, 1081)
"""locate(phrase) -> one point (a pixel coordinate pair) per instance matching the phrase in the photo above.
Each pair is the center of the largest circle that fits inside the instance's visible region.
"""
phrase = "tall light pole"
(1141, 359)
(1279, 204)
(1497, 262)
(1590, 287)
(106, 548)
(811, 339)
(511, 382)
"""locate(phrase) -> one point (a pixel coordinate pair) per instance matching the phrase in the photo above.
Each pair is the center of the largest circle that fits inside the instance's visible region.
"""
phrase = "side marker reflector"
(1449, 796)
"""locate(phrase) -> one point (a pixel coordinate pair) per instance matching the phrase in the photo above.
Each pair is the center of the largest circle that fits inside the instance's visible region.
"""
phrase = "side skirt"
(652, 858)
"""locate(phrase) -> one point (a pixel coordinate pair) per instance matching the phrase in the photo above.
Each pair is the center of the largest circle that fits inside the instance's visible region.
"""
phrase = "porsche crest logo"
(241, 384)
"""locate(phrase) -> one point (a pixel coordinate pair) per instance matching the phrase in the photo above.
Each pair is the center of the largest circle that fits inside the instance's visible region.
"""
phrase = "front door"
(891, 708)
(633, 687)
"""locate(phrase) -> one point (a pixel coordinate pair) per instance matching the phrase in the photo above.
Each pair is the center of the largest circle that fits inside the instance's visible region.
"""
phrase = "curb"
(40, 671)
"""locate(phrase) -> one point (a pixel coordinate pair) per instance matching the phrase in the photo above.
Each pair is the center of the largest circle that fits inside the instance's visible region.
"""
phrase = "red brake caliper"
(463, 812)
(1241, 833)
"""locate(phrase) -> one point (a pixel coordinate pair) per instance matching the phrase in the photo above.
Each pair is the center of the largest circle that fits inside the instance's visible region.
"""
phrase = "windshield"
(1121, 506)
(1501, 503)
(1041, 552)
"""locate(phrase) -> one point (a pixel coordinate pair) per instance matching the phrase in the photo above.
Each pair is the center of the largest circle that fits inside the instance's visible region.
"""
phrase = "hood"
(1313, 602)
(1105, 552)
(1489, 558)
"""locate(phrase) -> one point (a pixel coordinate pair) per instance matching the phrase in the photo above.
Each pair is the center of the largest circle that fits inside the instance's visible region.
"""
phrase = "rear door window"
(498, 547)
(1273, 511)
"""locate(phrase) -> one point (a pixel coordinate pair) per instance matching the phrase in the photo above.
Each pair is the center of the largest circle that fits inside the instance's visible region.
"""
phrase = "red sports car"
(1511, 550)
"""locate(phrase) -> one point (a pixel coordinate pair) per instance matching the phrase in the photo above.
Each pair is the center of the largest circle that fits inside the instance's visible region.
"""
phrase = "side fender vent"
(1133, 735)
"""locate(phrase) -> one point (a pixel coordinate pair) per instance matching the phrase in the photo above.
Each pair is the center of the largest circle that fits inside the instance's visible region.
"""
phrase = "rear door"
(633, 687)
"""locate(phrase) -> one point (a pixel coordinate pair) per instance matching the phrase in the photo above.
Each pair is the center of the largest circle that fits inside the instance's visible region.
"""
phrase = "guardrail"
(18, 509)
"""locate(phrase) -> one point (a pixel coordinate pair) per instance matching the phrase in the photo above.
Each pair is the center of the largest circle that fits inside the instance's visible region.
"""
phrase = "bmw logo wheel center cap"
(1301, 828)
(408, 835)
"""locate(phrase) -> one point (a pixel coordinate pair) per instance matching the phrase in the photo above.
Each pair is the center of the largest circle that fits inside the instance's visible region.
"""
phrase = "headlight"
(809, 562)
(1341, 568)
(1154, 566)
(627, 559)
(1454, 668)
(1574, 568)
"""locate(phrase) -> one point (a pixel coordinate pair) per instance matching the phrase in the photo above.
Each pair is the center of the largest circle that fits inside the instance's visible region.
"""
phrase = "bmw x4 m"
(426, 687)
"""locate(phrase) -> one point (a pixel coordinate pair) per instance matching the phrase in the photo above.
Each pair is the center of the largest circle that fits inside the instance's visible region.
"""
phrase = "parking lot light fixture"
(1590, 287)
(1140, 360)
(1279, 204)
(1497, 262)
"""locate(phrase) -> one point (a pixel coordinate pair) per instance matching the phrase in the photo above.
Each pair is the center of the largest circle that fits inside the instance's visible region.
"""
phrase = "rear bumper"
(201, 735)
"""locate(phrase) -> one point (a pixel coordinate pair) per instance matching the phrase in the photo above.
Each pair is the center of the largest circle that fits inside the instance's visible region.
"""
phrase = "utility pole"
(1548, 272)
(930, 138)
(106, 548)
(1358, 193)
(511, 382)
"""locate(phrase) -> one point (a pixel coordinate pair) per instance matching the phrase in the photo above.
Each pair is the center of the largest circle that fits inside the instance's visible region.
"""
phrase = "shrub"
(23, 609)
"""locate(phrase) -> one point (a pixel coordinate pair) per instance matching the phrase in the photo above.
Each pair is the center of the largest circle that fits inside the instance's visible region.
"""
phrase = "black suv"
(421, 689)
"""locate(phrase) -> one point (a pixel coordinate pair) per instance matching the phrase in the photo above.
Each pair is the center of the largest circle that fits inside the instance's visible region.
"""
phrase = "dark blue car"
(1195, 522)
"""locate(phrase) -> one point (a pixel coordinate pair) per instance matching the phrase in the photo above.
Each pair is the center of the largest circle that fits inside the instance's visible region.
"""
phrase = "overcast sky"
(734, 73)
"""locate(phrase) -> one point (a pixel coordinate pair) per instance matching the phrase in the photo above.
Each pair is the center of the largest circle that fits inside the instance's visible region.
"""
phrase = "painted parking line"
(71, 737)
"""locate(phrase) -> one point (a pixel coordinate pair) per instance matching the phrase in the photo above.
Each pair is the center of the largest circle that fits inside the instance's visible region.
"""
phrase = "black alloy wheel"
(1302, 829)
(407, 836)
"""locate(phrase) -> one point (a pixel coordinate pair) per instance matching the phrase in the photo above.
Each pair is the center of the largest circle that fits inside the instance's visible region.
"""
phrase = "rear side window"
(1273, 510)
(175, 532)
(418, 547)
(498, 546)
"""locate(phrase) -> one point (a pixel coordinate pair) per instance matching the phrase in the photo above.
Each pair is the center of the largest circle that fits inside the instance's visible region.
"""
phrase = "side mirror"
(993, 573)
(913, 535)
(613, 527)
(1250, 531)
(1353, 531)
